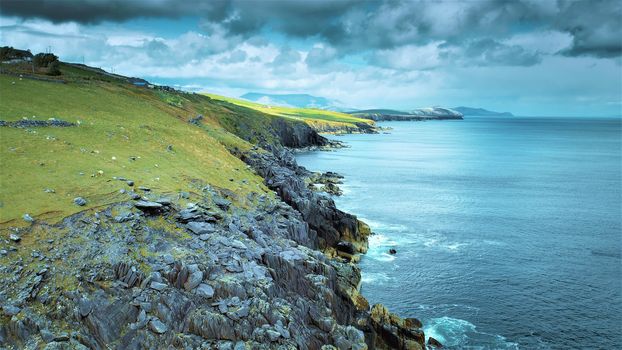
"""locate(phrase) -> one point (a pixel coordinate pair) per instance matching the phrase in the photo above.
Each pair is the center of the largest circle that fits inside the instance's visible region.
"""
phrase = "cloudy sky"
(530, 57)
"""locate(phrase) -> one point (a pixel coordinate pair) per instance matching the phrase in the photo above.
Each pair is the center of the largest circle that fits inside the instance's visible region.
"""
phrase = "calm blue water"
(507, 230)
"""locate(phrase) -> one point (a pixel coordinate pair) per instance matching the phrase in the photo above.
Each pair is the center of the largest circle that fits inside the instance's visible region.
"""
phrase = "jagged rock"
(27, 218)
(85, 307)
(143, 188)
(273, 335)
(129, 183)
(392, 251)
(434, 343)
(199, 228)
(157, 286)
(346, 247)
(14, 237)
(205, 290)
(157, 326)
(194, 279)
(79, 201)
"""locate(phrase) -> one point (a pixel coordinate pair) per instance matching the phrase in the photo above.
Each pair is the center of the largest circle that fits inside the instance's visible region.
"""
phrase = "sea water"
(507, 230)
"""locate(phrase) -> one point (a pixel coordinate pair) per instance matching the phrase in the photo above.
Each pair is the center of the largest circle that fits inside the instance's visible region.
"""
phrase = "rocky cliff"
(208, 266)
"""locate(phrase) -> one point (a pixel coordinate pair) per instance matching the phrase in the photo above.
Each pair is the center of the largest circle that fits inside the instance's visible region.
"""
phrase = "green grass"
(116, 122)
(317, 118)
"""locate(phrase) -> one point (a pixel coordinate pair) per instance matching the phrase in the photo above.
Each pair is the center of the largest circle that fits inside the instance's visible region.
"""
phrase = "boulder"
(205, 290)
(157, 326)
(147, 205)
(79, 201)
(199, 228)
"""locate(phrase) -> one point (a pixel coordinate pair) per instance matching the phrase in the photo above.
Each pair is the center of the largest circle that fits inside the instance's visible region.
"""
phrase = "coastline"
(347, 242)
(209, 268)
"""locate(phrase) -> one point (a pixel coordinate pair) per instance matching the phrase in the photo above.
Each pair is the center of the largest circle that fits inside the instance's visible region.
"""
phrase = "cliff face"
(224, 263)
(421, 114)
(205, 269)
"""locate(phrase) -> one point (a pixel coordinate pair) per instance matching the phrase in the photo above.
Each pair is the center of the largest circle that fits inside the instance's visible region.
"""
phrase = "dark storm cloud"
(488, 52)
(353, 26)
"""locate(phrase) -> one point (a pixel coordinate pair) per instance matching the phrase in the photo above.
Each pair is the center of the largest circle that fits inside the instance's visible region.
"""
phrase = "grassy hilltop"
(121, 130)
(319, 119)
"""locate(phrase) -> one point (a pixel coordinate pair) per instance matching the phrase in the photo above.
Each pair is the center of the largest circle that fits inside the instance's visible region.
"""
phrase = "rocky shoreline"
(208, 269)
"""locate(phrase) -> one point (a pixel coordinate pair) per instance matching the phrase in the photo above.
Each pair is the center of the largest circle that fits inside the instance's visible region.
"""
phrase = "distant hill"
(428, 113)
(470, 111)
(295, 100)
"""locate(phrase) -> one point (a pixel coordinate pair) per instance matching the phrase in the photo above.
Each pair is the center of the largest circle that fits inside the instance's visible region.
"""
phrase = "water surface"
(507, 230)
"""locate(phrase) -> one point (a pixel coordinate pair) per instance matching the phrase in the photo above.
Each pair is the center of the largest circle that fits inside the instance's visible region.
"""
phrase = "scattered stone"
(392, 251)
(157, 286)
(129, 183)
(157, 326)
(14, 237)
(79, 201)
(147, 205)
(3, 252)
(195, 278)
(205, 290)
(49, 190)
(273, 335)
(200, 228)
(28, 218)
(143, 188)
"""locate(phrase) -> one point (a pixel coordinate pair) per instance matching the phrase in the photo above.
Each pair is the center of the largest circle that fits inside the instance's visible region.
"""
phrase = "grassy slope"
(317, 118)
(116, 120)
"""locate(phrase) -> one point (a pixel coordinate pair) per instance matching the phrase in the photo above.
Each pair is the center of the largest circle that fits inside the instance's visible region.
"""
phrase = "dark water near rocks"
(507, 230)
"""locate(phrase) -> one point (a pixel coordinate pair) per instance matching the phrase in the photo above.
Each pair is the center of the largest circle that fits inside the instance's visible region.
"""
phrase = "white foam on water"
(457, 333)
(375, 277)
(440, 242)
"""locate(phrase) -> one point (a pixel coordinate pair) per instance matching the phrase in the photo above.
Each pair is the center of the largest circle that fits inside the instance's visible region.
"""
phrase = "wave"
(459, 334)
(375, 277)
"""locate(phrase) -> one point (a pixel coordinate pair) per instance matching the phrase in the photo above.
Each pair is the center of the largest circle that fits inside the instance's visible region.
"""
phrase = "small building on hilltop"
(11, 55)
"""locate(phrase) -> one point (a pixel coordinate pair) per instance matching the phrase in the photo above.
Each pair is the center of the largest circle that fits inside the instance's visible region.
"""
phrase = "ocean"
(508, 230)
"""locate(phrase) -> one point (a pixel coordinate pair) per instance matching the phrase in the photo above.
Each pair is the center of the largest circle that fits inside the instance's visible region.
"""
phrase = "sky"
(529, 57)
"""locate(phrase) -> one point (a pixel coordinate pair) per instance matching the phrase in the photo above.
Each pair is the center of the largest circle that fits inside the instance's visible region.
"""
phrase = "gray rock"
(273, 335)
(157, 326)
(129, 183)
(85, 307)
(147, 205)
(14, 237)
(199, 228)
(168, 259)
(157, 286)
(46, 335)
(194, 280)
(79, 201)
(164, 201)
(10, 310)
(28, 218)
(205, 290)
(143, 188)
(3, 252)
